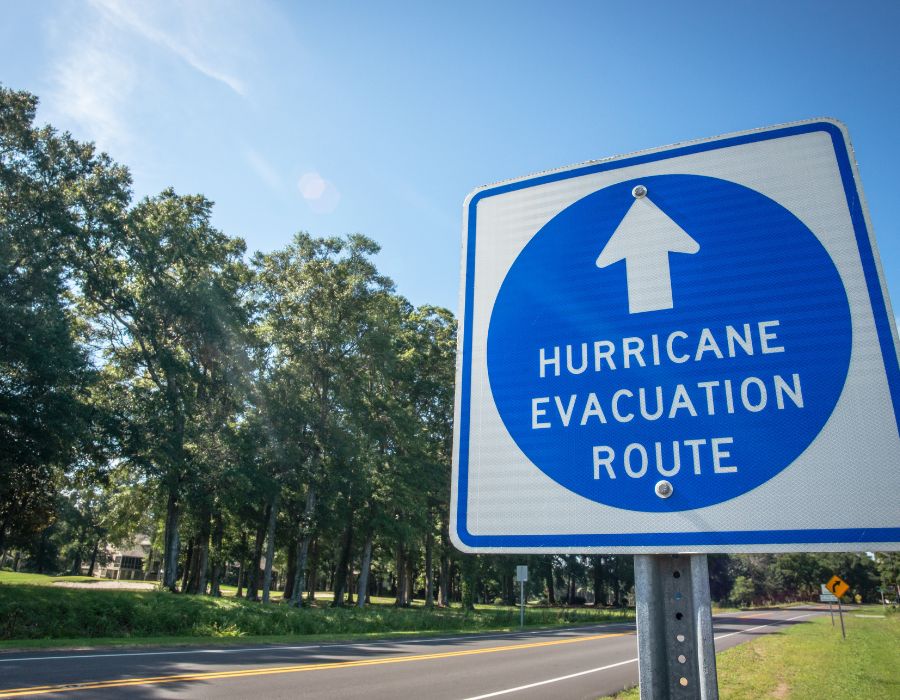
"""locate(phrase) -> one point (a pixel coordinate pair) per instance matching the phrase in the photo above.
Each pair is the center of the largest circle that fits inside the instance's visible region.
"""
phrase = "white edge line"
(759, 627)
(552, 680)
(620, 663)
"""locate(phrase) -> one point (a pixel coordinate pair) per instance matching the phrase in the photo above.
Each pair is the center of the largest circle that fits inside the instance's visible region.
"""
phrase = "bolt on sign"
(678, 350)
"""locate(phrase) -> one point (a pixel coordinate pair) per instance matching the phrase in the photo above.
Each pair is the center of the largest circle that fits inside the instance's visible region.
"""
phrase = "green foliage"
(743, 591)
(52, 190)
(48, 612)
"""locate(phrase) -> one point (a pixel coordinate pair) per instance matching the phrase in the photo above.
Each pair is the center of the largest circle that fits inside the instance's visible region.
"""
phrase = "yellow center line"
(95, 685)
(747, 617)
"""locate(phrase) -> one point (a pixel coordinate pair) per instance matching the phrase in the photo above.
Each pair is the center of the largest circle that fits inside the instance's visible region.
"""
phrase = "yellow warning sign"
(837, 585)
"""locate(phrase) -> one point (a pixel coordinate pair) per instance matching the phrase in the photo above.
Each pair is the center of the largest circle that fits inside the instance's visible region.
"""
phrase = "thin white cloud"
(133, 16)
(91, 82)
(106, 52)
(263, 168)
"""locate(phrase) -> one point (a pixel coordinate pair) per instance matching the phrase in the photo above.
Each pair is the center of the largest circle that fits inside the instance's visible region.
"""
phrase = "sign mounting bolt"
(639, 191)
(663, 489)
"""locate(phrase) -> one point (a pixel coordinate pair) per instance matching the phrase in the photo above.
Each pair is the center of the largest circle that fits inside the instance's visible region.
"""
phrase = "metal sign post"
(841, 615)
(676, 649)
(522, 577)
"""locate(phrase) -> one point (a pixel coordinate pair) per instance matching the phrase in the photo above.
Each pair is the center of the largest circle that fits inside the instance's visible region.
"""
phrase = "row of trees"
(286, 407)
(292, 399)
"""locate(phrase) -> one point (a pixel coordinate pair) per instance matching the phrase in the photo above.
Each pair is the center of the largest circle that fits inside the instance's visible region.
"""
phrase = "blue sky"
(379, 118)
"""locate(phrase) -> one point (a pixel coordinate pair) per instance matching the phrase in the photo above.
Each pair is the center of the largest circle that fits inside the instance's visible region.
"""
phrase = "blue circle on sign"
(607, 390)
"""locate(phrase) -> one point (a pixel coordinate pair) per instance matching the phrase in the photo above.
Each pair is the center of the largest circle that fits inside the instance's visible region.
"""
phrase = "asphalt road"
(582, 662)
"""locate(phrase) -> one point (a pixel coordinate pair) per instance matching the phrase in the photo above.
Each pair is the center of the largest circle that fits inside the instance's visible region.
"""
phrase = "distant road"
(582, 662)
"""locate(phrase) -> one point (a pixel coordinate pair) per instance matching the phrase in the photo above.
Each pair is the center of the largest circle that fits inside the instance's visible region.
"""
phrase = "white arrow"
(643, 239)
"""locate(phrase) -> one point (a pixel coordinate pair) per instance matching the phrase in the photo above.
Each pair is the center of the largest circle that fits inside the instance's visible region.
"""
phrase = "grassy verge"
(21, 579)
(33, 615)
(811, 661)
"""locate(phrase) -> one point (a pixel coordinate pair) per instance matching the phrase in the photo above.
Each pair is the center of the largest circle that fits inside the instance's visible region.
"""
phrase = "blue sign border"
(678, 539)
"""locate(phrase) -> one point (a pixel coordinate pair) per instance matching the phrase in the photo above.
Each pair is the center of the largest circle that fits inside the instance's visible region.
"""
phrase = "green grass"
(17, 578)
(811, 661)
(38, 615)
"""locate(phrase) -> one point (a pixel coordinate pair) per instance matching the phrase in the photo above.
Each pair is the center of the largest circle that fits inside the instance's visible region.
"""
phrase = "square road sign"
(687, 349)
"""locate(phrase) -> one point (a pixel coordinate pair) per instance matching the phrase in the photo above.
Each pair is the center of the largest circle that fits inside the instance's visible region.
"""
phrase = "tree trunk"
(599, 597)
(509, 589)
(445, 578)
(312, 577)
(340, 583)
(270, 547)
(94, 553)
(291, 571)
(253, 579)
(193, 575)
(468, 580)
(203, 558)
(76, 565)
(41, 550)
(400, 564)
(171, 544)
(215, 581)
(548, 576)
(188, 563)
(242, 568)
(303, 546)
(364, 567)
(429, 569)
(410, 580)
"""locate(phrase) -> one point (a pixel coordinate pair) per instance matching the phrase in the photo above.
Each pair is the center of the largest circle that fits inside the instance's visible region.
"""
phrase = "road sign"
(837, 586)
(678, 350)
(826, 596)
(521, 573)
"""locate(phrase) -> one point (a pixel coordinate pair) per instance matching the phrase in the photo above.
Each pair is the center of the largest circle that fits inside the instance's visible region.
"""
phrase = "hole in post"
(678, 616)
(682, 658)
(676, 574)
(679, 637)
(683, 681)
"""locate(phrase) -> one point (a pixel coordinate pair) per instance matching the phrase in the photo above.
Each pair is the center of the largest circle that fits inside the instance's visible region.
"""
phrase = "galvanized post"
(841, 615)
(521, 603)
(676, 649)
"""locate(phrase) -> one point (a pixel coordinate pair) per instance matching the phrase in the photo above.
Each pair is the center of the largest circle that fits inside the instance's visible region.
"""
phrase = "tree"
(888, 566)
(163, 287)
(314, 298)
(52, 190)
(743, 591)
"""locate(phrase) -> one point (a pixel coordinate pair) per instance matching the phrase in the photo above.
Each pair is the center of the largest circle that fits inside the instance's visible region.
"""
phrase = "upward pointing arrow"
(643, 239)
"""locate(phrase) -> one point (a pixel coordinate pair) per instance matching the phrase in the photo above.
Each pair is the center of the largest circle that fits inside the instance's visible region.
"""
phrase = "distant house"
(135, 561)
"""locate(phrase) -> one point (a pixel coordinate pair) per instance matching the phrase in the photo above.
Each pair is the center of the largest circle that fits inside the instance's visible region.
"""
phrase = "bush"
(743, 591)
